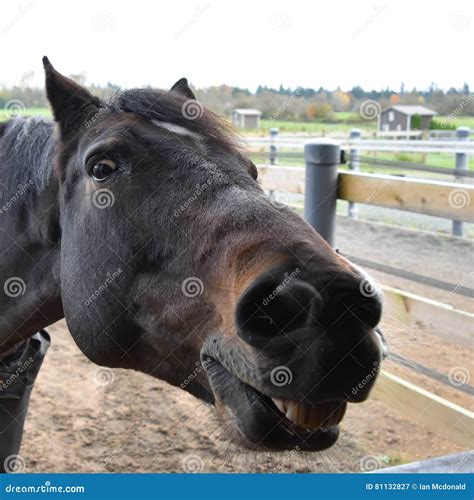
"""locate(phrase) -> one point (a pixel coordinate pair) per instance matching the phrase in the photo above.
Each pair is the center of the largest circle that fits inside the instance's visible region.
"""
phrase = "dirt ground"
(84, 418)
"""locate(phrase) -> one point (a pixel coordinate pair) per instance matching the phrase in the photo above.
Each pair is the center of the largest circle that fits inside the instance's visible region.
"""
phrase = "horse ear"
(72, 104)
(182, 87)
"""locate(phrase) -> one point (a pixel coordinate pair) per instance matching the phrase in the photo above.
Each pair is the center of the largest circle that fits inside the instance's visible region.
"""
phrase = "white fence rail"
(431, 146)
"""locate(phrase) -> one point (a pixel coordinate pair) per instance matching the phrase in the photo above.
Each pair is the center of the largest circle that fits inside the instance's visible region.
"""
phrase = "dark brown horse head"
(174, 262)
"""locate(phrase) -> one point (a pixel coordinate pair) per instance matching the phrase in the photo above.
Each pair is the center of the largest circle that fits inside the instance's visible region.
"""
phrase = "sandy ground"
(84, 418)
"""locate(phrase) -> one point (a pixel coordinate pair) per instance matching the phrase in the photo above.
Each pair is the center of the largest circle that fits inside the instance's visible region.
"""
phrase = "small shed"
(405, 118)
(246, 118)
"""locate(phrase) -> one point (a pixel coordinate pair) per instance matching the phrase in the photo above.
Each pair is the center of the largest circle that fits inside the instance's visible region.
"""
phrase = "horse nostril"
(350, 306)
(271, 307)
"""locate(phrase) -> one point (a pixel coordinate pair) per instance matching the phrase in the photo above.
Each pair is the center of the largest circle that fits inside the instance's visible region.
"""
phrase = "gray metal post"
(354, 164)
(462, 134)
(322, 158)
(273, 147)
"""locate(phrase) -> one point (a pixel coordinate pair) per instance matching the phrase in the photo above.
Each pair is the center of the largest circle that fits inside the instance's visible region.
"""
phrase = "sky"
(242, 42)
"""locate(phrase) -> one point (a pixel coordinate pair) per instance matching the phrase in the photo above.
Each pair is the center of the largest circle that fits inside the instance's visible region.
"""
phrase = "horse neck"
(29, 232)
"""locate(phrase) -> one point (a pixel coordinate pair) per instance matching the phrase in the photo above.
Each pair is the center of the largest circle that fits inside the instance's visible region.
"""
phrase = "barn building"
(246, 118)
(405, 118)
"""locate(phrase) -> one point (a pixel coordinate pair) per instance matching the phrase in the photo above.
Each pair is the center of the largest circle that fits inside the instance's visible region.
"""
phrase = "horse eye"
(102, 170)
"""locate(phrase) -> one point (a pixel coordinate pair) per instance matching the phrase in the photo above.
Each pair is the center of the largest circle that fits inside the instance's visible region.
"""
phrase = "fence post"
(322, 158)
(273, 146)
(462, 134)
(354, 164)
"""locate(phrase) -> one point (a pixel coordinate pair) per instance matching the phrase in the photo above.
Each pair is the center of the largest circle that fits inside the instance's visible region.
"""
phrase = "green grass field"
(5, 115)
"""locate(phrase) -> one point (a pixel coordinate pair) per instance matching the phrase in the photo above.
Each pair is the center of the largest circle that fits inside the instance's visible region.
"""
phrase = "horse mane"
(169, 107)
(26, 154)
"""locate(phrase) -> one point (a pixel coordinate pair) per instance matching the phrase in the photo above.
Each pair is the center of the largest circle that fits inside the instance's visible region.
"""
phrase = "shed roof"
(414, 109)
(245, 111)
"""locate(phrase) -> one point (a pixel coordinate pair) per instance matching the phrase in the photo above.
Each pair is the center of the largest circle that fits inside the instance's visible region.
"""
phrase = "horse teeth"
(321, 415)
(280, 404)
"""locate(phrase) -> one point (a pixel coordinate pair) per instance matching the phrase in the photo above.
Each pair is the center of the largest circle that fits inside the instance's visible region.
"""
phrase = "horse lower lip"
(312, 416)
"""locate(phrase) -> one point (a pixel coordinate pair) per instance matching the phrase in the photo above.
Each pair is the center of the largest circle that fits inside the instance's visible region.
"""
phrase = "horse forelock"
(171, 109)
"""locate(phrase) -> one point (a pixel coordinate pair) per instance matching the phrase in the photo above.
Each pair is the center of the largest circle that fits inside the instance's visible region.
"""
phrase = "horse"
(140, 220)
